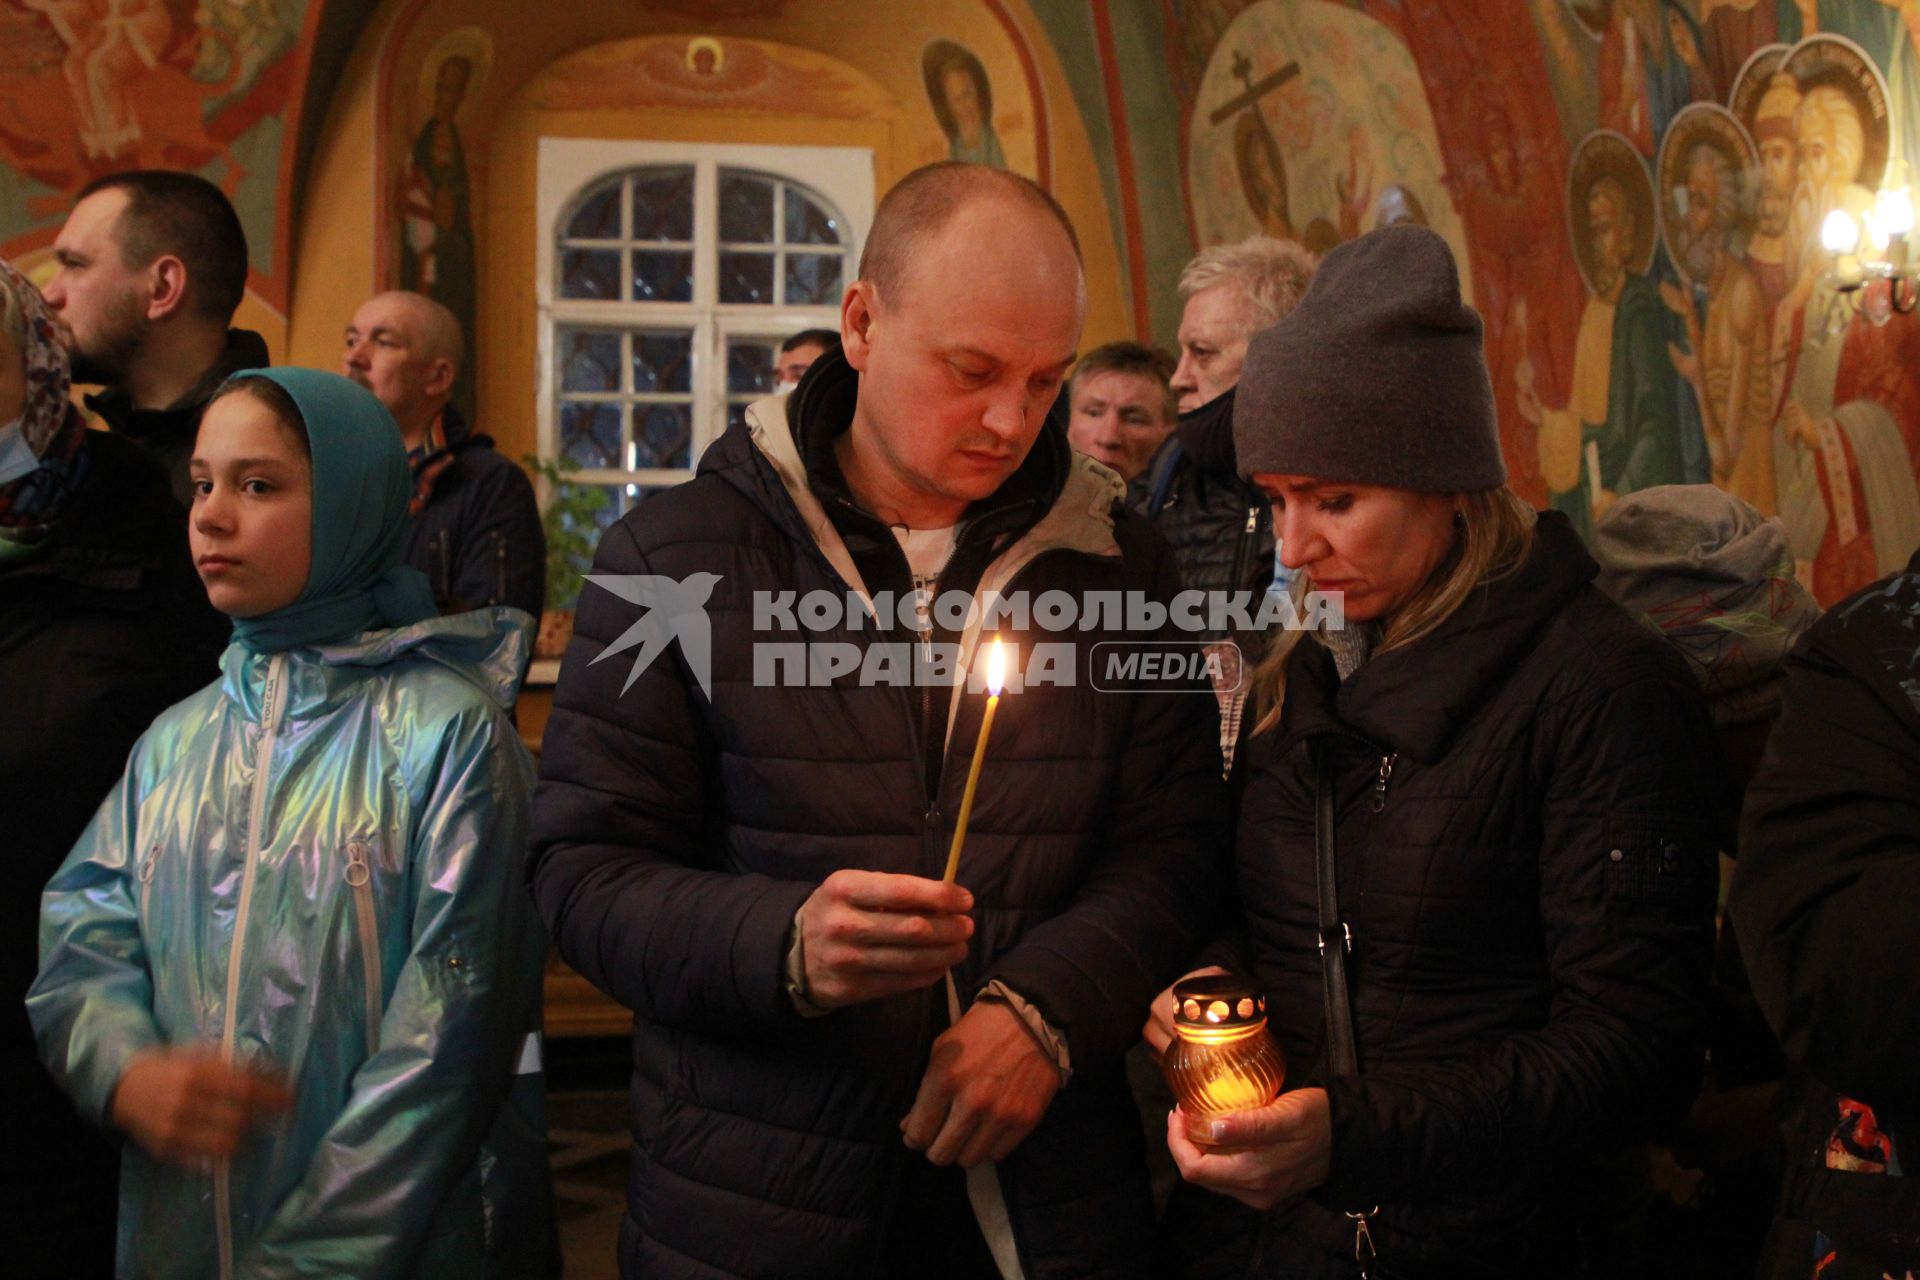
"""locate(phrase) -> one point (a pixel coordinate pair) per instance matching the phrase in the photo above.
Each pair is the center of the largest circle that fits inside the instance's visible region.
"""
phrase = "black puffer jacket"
(102, 630)
(1824, 904)
(478, 538)
(168, 433)
(677, 834)
(1527, 868)
(1219, 526)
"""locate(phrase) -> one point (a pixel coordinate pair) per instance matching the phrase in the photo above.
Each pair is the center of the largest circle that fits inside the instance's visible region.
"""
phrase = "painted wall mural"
(961, 96)
(1636, 190)
(88, 89)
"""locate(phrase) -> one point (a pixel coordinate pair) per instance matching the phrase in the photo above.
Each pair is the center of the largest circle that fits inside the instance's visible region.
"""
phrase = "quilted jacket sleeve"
(626, 868)
(1155, 894)
(1823, 902)
(1628, 871)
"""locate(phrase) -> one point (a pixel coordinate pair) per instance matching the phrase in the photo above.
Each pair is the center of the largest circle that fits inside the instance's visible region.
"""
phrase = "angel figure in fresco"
(109, 44)
(962, 101)
(1726, 363)
(1619, 431)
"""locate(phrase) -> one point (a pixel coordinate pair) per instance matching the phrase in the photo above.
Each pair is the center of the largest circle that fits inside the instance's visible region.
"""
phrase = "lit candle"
(996, 680)
(1840, 236)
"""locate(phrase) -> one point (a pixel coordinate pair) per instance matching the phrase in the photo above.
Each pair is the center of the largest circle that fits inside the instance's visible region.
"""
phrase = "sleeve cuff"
(1051, 1042)
(796, 975)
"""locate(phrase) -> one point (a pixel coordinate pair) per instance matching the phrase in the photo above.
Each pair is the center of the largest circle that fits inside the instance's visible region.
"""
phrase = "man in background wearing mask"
(797, 355)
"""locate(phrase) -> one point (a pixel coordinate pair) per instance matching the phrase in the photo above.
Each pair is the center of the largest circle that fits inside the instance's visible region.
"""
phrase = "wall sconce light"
(1221, 1059)
(1883, 285)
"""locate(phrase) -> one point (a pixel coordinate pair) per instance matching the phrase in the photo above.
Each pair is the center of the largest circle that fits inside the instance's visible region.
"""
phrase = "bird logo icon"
(676, 610)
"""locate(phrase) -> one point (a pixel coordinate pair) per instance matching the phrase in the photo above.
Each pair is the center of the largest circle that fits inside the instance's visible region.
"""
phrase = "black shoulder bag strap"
(1336, 941)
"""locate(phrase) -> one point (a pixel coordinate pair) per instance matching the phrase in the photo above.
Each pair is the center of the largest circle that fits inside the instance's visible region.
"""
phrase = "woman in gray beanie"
(1476, 856)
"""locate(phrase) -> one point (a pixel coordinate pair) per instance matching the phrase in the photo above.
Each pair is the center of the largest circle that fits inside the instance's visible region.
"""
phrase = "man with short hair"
(476, 527)
(750, 856)
(798, 353)
(151, 267)
(1122, 409)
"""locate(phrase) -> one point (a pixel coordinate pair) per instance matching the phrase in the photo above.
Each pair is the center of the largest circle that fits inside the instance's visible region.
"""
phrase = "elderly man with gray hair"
(1217, 524)
(476, 528)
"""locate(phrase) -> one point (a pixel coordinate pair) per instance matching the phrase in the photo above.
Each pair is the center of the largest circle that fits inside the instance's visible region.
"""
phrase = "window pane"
(590, 434)
(749, 367)
(616, 505)
(808, 222)
(663, 204)
(746, 277)
(746, 209)
(662, 361)
(662, 277)
(590, 273)
(662, 436)
(589, 360)
(599, 217)
(737, 412)
(813, 279)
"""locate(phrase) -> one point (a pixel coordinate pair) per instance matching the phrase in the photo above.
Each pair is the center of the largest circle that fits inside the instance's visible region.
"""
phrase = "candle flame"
(997, 668)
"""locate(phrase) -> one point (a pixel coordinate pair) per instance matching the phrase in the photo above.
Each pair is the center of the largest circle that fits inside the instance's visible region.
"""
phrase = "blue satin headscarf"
(361, 484)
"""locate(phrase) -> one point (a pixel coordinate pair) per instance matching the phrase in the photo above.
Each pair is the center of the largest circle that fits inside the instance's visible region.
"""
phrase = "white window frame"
(567, 167)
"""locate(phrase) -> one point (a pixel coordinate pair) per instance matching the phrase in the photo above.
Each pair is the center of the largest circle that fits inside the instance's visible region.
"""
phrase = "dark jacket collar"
(119, 525)
(245, 349)
(1414, 700)
(1206, 434)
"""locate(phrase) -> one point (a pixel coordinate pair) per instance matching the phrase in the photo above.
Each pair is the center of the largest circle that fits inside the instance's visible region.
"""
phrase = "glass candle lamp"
(1221, 1058)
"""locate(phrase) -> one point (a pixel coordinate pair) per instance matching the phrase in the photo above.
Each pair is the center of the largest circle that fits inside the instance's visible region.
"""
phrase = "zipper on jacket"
(1241, 550)
(147, 869)
(256, 823)
(359, 875)
(1379, 802)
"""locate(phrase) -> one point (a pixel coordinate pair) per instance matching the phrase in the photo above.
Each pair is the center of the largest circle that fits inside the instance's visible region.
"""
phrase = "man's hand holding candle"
(868, 934)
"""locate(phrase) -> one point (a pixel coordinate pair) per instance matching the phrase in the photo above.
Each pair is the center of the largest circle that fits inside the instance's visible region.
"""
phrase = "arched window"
(672, 275)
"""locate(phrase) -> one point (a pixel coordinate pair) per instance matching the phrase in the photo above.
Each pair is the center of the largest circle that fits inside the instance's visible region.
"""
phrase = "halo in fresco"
(1311, 123)
(471, 43)
(1703, 124)
(1751, 84)
(1605, 153)
(1837, 61)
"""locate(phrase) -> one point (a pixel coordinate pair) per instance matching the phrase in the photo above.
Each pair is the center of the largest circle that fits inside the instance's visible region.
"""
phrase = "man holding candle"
(752, 863)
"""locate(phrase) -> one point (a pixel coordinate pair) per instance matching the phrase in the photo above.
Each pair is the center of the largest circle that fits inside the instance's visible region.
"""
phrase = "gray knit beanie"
(1377, 377)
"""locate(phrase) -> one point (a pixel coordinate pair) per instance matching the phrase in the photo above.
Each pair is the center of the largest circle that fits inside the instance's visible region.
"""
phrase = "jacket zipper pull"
(1379, 802)
(1253, 519)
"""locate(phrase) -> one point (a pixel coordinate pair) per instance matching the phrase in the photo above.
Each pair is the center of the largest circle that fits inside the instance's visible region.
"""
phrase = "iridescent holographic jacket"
(316, 864)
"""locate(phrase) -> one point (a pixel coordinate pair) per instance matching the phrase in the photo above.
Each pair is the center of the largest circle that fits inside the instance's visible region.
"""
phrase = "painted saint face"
(1610, 232)
(1778, 173)
(963, 100)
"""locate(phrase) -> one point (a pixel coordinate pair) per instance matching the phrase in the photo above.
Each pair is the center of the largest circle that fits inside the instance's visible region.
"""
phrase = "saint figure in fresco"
(962, 101)
(1619, 431)
(437, 248)
(1844, 466)
(1726, 357)
(1772, 255)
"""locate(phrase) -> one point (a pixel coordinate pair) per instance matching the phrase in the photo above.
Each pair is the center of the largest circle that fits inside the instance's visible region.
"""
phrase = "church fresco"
(1636, 190)
(91, 89)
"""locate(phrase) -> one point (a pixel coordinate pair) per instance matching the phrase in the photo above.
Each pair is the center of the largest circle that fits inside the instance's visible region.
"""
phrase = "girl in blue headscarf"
(293, 958)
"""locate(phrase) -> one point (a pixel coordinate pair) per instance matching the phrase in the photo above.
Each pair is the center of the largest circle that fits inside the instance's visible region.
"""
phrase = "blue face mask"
(17, 457)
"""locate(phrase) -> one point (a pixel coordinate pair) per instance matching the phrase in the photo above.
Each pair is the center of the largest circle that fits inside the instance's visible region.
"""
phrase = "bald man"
(844, 1066)
(476, 527)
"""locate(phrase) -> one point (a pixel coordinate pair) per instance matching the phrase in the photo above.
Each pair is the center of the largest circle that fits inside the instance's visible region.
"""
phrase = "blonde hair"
(1495, 535)
(1273, 274)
